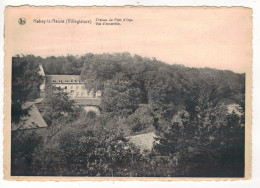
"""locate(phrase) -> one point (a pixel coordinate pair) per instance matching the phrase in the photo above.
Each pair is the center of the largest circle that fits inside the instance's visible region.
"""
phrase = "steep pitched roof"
(34, 120)
(143, 141)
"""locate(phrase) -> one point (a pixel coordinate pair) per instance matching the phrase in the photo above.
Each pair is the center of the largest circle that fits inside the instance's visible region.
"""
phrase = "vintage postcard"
(127, 93)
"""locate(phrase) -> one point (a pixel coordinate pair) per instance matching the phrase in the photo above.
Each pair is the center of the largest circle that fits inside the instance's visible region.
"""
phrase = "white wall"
(92, 108)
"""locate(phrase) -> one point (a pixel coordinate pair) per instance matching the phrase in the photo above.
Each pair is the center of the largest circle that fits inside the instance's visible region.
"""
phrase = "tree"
(120, 96)
(86, 152)
(25, 83)
(57, 106)
(22, 149)
(142, 119)
(205, 136)
(195, 135)
(165, 91)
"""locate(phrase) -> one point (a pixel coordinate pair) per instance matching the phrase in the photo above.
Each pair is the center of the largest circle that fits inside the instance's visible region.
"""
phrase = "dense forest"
(185, 107)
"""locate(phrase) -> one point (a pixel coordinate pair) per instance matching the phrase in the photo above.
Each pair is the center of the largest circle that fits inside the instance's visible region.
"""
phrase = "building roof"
(143, 141)
(63, 79)
(34, 120)
(87, 101)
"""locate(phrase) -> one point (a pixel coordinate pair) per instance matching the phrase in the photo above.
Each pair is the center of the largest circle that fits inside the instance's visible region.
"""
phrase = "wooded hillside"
(186, 108)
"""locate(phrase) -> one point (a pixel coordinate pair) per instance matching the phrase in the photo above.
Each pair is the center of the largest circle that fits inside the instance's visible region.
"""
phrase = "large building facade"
(75, 87)
(72, 85)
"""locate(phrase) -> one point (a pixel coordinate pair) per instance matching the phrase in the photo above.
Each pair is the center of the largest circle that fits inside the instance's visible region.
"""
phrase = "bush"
(86, 152)
(23, 146)
(141, 120)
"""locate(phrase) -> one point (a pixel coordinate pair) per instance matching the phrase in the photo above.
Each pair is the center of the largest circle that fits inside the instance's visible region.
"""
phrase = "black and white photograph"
(129, 92)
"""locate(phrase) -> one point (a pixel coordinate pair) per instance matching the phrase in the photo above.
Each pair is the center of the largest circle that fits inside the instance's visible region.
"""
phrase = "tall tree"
(120, 96)
(25, 81)
(57, 106)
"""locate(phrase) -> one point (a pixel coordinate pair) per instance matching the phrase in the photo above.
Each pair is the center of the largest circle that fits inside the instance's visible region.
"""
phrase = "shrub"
(141, 120)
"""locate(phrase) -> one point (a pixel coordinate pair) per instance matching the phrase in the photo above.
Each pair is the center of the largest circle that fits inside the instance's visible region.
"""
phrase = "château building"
(75, 87)
(72, 85)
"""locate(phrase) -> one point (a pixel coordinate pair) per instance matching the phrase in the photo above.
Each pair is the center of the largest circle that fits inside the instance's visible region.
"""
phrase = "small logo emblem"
(22, 21)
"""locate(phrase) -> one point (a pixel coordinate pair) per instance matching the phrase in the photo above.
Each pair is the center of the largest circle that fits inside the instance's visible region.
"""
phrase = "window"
(77, 93)
(75, 80)
(71, 87)
(71, 80)
(77, 87)
(82, 93)
(65, 87)
(82, 87)
(53, 80)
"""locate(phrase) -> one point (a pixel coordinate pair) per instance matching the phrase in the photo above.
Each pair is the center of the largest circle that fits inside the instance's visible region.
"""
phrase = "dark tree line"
(185, 107)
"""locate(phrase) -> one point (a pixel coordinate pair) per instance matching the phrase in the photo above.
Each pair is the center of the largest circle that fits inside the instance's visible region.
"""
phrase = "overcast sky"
(195, 37)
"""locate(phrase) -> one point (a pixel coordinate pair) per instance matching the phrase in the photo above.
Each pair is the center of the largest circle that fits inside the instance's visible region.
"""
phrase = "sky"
(195, 37)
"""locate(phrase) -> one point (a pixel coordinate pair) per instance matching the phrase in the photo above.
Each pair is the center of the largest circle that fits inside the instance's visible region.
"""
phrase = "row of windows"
(60, 81)
(72, 87)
